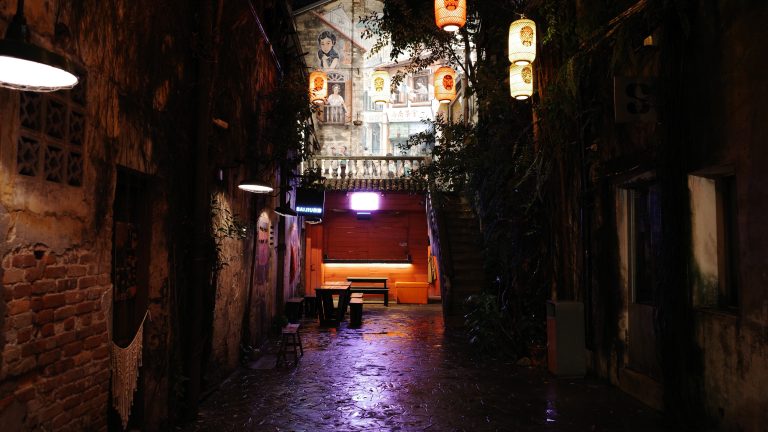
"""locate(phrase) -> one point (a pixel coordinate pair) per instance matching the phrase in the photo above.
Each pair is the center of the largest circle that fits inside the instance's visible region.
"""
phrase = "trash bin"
(566, 350)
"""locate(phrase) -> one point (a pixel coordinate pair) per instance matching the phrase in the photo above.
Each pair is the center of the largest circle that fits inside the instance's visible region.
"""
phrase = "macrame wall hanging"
(125, 373)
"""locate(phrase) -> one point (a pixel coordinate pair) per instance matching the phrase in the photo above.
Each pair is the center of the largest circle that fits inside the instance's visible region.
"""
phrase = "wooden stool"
(355, 312)
(290, 338)
(310, 305)
(293, 308)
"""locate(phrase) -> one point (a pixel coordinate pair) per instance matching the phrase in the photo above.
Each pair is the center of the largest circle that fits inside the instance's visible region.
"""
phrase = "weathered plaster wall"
(139, 72)
(246, 287)
(735, 347)
(57, 246)
(719, 127)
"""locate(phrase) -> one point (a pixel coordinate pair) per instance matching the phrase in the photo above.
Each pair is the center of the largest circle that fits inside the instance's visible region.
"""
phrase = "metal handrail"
(441, 247)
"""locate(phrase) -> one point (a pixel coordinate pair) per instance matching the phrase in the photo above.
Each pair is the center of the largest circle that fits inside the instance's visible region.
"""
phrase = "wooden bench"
(372, 290)
(290, 338)
(356, 312)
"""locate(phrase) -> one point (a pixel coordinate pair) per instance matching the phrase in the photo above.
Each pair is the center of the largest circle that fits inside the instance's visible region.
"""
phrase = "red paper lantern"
(318, 86)
(445, 84)
(450, 15)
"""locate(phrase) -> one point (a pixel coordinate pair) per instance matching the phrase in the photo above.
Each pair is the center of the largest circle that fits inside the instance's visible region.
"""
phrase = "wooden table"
(330, 315)
(370, 289)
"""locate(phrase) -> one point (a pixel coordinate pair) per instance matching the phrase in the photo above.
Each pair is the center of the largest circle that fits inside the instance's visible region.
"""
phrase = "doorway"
(130, 274)
(644, 248)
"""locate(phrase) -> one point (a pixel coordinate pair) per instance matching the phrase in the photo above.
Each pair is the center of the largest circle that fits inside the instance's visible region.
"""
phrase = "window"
(370, 105)
(714, 237)
(420, 94)
(335, 108)
(644, 241)
(413, 90)
(51, 137)
(375, 139)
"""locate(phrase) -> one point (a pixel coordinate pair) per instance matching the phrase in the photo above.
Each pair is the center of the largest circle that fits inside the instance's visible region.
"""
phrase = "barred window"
(52, 135)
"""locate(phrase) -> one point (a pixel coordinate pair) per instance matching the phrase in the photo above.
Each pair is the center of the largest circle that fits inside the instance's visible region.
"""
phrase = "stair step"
(466, 243)
(462, 219)
(467, 287)
(466, 250)
(467, 281)
(467, 267)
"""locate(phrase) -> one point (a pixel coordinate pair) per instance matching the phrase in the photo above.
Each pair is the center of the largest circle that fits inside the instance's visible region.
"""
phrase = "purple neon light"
(364, 201)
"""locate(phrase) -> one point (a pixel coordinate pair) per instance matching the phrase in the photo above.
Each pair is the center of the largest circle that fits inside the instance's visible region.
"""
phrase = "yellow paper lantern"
(318, 86)
(445, 84)
(380, 86)
(522, 42)
(450, 15)
(521, 81)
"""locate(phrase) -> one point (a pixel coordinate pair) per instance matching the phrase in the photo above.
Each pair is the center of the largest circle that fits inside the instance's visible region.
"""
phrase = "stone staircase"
(460, 258)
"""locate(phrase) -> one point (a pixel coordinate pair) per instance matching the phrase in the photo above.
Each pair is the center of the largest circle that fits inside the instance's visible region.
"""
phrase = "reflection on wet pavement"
(402, 372)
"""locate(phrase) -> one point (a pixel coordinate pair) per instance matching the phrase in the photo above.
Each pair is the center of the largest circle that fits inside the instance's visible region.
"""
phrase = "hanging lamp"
(522, 41)
(255, 186)
(380, 83)
(286, 210)
(521, 81)
(27, 67)
(318, 86)
(445, 84)
(450, 15)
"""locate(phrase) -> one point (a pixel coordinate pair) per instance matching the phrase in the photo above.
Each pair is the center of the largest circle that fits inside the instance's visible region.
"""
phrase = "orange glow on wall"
(399, 229)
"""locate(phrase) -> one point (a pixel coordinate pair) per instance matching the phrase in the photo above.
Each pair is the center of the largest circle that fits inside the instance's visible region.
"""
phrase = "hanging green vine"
(226, 225)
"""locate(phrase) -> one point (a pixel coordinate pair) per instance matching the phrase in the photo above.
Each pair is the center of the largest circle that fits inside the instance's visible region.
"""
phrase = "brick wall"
(54, 363)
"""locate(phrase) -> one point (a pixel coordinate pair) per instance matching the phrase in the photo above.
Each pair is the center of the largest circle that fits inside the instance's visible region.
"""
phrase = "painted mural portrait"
(327, 56)
(336, 99)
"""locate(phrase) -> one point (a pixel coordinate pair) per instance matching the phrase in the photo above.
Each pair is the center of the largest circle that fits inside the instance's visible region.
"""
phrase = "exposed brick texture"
(55, 361)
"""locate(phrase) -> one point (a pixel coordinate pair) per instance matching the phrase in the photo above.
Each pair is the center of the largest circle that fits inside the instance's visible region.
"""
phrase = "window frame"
(69, 142)
(728, 295)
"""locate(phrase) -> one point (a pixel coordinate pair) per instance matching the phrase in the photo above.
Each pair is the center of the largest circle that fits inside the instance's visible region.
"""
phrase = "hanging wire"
(266, 38)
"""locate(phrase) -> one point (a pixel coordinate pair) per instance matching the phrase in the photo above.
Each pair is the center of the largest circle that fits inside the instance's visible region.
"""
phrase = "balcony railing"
(367, 167)
(334, 114)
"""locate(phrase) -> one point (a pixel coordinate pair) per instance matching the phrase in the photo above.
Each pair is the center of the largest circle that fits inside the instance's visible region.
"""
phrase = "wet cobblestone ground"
(402, 372)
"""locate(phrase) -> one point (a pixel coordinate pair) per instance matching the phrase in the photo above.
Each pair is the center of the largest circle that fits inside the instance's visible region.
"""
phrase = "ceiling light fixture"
(27, 67)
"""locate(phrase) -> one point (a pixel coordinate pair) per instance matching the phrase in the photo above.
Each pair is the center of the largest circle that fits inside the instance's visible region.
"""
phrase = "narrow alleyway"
(402, 372)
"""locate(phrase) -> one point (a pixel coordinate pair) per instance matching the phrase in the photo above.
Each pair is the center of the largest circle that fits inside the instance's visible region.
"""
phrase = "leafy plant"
(226, 225)
(493, 159)
(487, 325)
